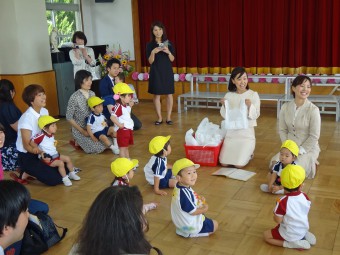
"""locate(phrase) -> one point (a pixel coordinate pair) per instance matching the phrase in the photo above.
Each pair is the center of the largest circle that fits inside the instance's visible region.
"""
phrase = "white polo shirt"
(29, 121)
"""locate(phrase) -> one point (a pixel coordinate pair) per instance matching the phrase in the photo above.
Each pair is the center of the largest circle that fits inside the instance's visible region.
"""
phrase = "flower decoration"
(123, 56)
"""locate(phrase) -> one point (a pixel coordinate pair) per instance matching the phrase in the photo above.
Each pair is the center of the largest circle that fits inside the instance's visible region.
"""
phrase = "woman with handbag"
(240, 109)
(115, 224)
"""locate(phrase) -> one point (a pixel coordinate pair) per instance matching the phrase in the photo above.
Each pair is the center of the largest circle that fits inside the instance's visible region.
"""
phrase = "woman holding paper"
(240, 109)
(300, 121)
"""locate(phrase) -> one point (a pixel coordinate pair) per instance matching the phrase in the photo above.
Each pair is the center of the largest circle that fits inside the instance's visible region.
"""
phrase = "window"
(65, 16)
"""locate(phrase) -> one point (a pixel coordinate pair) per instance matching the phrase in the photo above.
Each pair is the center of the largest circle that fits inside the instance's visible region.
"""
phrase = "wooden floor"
(241, 209)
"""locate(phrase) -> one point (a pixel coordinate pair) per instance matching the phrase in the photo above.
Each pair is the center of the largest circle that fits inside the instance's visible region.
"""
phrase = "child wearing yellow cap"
(157, 171)
(121, 117)
(291, 213)
(187, 208)
(97, 126)
(123, 169)
(288, 154)
(50, 156)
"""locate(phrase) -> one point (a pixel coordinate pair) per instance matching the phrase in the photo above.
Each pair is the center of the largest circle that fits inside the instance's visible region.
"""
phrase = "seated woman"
(300, 121)
(34, 96)
(78, 111)
(121, 227)
(9, 116)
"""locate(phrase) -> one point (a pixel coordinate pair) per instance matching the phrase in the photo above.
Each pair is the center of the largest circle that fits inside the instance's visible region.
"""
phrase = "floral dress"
(78, 110)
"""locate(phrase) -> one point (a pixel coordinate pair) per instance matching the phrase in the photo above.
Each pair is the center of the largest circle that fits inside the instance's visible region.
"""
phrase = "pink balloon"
(208, 79)
(222, 79)
(182, 77)
(134, 76)
(275, 80)
(145, 76)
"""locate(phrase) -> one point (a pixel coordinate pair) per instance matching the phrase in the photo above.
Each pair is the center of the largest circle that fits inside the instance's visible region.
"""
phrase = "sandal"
(18, 179)
(169, 122)
(158, 122)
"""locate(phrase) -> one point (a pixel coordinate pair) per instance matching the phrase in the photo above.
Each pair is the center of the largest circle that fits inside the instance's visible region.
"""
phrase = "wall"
(109, 23)
(24, 38)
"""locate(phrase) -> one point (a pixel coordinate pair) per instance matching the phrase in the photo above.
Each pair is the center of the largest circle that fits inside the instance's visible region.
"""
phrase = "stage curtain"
(265, 36)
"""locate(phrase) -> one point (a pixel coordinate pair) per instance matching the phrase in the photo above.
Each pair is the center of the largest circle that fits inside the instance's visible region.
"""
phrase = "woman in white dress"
(82, 57)
(240, 108)
(300, 121)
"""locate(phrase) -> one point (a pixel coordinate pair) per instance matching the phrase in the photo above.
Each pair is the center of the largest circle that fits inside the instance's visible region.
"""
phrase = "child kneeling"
(50, 156)
(291, 213)
(187, 208)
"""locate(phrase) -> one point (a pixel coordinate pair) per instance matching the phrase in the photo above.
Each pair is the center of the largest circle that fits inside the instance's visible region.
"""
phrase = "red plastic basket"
(203, 155)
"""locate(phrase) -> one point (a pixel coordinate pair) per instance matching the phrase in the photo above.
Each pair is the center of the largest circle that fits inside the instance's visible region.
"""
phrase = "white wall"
(24, 40)
(109, 23)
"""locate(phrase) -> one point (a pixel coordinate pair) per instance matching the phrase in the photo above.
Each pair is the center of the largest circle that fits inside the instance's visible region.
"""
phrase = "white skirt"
(238, 147)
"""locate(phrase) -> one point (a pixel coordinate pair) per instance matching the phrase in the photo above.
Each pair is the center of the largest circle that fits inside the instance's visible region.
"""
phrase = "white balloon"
(255, 79)
(201, 78)
(324, 81)
(282, 80)
(215, 78)
(176, 77)
(269, 79)
(140, 76)
(337, 75)
(188, 77)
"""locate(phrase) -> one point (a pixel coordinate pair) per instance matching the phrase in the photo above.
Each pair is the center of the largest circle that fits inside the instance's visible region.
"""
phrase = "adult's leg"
(137, 123)
(35, 167)
(157, 103)
(169, 104)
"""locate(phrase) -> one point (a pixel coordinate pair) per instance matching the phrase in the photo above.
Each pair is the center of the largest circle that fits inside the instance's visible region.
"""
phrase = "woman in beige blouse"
(300, 121)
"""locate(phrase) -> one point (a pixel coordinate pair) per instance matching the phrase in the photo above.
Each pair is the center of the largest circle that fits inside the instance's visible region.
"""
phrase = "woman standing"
(160, 53)
(82, 57)
(77, 111)
(239, 142)
(300, 121)
(9, 117)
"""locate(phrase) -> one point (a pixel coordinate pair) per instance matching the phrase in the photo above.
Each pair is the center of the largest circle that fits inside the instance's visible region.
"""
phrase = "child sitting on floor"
(187, 208)
(97, 126)
(123, 169)
(291, 213)
(121, 117)
(157, 172)
(46, 143)
(288, 154)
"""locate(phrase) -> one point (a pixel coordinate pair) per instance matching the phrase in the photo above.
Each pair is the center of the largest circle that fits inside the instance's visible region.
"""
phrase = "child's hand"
(275, 188)
(161, 192)
(45, 159)
(205, 208)
(94, 138)
(36, 150)
(121, 125)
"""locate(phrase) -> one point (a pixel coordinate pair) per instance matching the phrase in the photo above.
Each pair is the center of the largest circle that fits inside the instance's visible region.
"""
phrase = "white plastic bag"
(190, 139)
(236, 118)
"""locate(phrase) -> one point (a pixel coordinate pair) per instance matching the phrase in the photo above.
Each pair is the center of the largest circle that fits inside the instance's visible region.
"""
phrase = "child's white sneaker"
(310, 238)
(67, 182)
(73, 176)
(264, 187)
(115, 149)
(300, 244)
(279, 192)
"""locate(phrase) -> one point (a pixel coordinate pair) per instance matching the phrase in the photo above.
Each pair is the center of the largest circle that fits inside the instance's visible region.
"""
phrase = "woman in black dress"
(160, 53)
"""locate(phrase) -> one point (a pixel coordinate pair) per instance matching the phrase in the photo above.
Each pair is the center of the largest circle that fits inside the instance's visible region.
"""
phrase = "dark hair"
(115, 224)
(14, 199)
(160, 25)
(161, 153)
(299, 80)
(6, 86)
(121, 76)
(80, 35)
(80, 76)
(112, 61)
(237, 71)
(2, 128)
(292, 190)
(30, 92)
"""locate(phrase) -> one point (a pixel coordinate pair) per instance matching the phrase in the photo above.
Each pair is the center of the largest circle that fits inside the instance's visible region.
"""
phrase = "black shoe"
(158, 122)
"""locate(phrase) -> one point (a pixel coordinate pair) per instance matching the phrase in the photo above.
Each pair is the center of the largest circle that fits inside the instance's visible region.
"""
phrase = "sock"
(115, 144)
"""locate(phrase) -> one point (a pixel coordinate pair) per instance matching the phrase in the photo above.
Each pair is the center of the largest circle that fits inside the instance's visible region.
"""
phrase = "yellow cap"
(291, 146)
(94, 101)
(181, 164)
(45, 120)
(292, 176)
(122, 88)
(121, 166)
(157, 143)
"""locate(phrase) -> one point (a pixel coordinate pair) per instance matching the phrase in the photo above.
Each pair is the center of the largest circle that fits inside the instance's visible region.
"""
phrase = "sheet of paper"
(235, 173)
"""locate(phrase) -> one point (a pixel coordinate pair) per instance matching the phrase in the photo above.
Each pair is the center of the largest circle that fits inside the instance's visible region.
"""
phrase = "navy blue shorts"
(102, 132)
(164, 183)
(208, 226)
